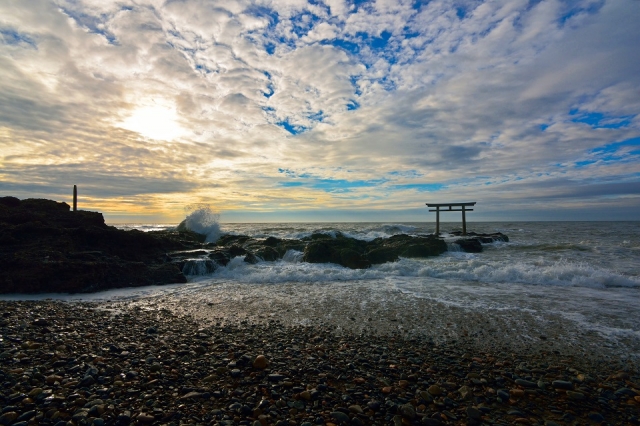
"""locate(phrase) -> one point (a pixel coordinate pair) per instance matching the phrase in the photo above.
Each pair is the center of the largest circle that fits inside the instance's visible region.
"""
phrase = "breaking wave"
(202, 220)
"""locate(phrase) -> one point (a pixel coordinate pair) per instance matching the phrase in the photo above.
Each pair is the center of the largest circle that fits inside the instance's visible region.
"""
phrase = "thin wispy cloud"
(350, 108)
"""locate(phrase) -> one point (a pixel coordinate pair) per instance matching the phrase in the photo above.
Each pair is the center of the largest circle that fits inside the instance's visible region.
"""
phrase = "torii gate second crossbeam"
(450, 208)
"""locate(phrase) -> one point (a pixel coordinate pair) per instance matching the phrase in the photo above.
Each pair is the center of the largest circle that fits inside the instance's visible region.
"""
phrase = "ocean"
(568, 287)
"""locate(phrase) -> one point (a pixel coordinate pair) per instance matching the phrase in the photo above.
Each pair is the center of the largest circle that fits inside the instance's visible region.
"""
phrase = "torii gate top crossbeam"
(451, 204)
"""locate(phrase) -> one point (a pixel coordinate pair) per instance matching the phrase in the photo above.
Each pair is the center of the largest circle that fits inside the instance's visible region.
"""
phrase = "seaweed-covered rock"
(472, 242)
(359, 254)
(470, 245)
(390, 249)
(328, 248)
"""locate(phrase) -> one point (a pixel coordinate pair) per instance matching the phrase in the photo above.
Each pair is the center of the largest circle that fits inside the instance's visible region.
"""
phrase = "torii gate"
(450, 209)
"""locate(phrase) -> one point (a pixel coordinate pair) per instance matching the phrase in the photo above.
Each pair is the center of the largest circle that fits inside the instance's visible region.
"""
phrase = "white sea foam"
(203, 220)
(458, 266)
(292, 256)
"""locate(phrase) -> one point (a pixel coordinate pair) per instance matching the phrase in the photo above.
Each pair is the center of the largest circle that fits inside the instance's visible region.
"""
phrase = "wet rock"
(261, 362)
(340, 417)
(503, 395)
(471, 245)
(526, 383)
(473, 413)
(275, 377)
(268, 254)
(356, 409)
(7, 418)
(562, 384)
(435, 390)
(145, 418)
(251, 258)
(625, 392)
(465, 393)
(596, 417)
(516, 393)
(576, 396)
(358, 254)
(407, 411)
(124, 417)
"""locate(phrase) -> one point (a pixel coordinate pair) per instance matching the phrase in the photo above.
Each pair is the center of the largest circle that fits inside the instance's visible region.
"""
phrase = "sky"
(323, 110)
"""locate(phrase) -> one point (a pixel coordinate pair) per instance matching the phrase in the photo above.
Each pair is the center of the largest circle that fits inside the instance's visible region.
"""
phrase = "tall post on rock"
(75, 198)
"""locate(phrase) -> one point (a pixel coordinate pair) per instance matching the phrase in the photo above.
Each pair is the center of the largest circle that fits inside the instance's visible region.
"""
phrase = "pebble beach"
(72, 363)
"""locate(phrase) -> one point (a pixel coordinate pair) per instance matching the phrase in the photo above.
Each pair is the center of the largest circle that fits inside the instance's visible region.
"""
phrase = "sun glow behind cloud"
(154, 122)
(371, 107)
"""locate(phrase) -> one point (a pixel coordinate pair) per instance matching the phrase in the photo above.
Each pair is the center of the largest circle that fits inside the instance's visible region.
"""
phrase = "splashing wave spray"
(202, 220)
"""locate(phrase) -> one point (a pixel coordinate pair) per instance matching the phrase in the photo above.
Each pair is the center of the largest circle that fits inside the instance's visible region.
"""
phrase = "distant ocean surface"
(579, 281)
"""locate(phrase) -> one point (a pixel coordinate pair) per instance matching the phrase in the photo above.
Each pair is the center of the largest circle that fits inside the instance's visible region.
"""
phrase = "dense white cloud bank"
(366, 108)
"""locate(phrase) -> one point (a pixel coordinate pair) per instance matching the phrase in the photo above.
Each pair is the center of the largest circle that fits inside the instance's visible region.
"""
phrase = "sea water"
(570, 287)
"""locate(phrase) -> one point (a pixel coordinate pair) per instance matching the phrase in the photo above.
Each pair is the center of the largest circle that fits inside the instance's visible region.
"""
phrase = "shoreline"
(117, 363)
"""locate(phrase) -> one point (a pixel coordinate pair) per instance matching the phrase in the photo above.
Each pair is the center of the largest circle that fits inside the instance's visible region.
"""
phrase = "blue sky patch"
(262, 12)
(354, 82)
(420, 187)
(93, 24)
(585, 163)
(326, 184)
(352, 105)
(343, 185)
(598, 120)
(318, 116)
(291, 128)
(270, 48)
(303, 23)
(203, 69)
(576, 10)
(408, 32)
(406, 173)
(615, 146)
(270, 91)
(359, 4)
(12, 37)
(618, 152)
(380, 42)
(346, 45)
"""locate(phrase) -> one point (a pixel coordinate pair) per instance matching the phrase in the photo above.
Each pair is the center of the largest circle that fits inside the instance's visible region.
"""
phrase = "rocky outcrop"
(45, 247)
(472, 242)
(317, 248)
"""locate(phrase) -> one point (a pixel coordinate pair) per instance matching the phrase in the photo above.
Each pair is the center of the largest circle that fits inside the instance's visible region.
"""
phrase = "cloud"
(484, 100)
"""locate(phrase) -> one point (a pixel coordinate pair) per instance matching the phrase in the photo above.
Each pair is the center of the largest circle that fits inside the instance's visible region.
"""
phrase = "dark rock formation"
(345, 251)
(319, 248)
(471, 245)
(484, 238)
(473, 241)
(45, 247)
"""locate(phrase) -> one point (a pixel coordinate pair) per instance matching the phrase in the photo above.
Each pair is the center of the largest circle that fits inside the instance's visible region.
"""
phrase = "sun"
(154, 122)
